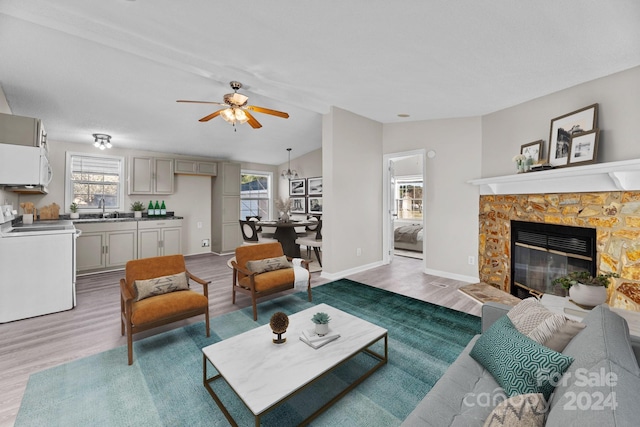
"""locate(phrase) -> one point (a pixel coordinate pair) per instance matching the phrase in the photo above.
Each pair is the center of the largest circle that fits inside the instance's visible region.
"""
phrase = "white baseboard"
(454, 276)
(345, 273)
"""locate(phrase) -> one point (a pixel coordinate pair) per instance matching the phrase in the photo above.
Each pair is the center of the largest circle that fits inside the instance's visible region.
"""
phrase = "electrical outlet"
(472, 260)
(199, 225)
(359, 252)
(205, 243)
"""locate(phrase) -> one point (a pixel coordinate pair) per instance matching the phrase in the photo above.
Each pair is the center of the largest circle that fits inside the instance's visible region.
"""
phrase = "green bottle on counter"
(157, 209)
(163, 209)
(150, 210)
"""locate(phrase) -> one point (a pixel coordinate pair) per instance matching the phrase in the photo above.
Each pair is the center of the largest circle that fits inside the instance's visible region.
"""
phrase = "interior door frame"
(387, 242)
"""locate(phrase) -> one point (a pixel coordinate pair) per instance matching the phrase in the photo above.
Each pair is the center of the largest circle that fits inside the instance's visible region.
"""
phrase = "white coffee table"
(264, 374)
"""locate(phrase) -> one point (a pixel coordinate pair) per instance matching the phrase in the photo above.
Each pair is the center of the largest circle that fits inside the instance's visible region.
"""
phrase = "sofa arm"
(492, 311)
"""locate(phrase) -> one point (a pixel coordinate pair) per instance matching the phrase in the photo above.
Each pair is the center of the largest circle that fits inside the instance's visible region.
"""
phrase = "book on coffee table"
(310, 337)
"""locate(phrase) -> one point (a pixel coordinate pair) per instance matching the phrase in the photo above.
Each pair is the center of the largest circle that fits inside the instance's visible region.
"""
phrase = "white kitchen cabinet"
(150, 175)
(157, 238)
(106, 245)
(195, 167)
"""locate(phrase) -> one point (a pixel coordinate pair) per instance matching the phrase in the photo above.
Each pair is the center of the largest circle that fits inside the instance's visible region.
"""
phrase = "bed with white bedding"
(408, 237)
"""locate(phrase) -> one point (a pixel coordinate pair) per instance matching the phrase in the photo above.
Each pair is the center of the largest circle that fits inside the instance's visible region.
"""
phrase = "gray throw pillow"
(160, 285)
(268, 264)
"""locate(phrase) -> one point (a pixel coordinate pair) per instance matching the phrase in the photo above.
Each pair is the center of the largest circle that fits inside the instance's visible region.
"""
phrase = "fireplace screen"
(542, 252)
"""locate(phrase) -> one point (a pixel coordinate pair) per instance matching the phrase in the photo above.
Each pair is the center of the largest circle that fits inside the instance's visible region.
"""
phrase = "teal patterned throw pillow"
(519, 364)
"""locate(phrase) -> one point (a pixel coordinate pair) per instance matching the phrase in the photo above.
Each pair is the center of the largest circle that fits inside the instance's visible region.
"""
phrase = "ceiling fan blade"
(252, 121)
(210, 116)
(267, 111)
(201, 102)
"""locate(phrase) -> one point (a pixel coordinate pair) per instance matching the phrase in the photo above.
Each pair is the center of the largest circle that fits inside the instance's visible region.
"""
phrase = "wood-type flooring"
(31, 345)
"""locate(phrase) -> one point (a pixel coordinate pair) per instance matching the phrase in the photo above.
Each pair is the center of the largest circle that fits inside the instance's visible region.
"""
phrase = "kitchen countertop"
(96, 218)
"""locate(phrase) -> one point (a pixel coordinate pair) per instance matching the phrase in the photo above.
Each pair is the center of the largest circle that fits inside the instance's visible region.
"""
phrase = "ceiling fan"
(237, 110)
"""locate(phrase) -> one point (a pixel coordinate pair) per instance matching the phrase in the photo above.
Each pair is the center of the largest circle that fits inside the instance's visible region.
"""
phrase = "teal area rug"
(164, 385)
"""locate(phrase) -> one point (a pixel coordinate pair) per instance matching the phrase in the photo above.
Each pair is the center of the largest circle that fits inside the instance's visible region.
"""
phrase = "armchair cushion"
(164, 306)
(160, 285)
(268, 264)
(269, 280)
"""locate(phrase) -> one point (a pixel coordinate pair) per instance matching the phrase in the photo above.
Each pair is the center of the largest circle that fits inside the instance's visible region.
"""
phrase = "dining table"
(286, 234)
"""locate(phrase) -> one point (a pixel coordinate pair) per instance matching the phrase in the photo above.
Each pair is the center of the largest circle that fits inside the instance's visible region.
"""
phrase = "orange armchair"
(258, 285)
(139, 315)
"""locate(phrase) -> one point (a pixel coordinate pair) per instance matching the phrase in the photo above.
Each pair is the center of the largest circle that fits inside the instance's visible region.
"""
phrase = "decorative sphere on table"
(279, 323)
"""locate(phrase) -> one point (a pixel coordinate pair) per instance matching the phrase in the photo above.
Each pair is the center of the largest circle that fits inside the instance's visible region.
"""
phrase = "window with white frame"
(409, 198)
(255, 194)
(92, 178)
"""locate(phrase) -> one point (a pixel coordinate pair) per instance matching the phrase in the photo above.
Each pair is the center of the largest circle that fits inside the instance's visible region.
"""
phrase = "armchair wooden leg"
(206, 318)
(255, 309)
(130, 345)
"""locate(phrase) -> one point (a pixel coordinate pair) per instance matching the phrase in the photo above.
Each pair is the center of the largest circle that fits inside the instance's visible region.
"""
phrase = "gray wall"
(618, 98)
(451, 205)
(352, 177)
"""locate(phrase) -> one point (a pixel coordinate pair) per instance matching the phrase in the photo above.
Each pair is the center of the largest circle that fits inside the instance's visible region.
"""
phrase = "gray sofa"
(604, 373)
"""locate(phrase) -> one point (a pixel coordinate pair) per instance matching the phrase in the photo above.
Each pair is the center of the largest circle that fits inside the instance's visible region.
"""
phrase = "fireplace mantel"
(612, 176)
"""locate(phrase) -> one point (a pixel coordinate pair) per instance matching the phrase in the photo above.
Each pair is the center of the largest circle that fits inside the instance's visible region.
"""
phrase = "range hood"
(27, 189)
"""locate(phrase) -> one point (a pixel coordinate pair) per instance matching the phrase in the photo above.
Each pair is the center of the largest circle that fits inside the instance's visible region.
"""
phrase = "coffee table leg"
(215, 397)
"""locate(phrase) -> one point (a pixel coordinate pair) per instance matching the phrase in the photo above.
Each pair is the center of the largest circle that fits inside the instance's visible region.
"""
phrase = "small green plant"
(137, 206)
(585, 278)
(73, 207)
(320, 318)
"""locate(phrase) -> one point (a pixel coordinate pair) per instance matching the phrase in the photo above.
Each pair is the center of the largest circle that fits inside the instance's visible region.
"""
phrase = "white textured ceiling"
(118, 66)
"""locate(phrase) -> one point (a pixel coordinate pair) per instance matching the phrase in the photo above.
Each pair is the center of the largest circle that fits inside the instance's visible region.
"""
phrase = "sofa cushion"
(604, 395)
(460, 398)
(606, 337)
(519, 364)
(521, 410)
(160, 285)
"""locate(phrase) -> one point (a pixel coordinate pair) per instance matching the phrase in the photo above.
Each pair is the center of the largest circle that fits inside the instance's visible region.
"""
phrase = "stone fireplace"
(615, 216)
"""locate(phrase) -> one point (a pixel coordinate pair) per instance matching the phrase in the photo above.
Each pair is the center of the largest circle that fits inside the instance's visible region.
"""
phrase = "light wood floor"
(31, 345)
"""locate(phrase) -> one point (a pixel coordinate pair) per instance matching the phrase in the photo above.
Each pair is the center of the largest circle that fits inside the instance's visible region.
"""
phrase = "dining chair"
(250, 233)
(313, 241)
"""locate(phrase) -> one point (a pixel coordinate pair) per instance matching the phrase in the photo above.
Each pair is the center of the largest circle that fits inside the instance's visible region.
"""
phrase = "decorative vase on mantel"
(520, 167)
(587, 295)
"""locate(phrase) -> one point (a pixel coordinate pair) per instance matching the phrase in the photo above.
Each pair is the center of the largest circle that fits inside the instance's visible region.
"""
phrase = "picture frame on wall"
(315, 205)
(563, 128)
(584, 148)
(314, 186)
(533, 150)
(298, 205)
(298, 187)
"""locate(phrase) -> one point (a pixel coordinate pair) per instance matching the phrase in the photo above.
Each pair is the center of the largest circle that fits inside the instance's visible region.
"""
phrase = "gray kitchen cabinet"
(157, 238)
(225, 209)
(195, 167)
(150, 175)
(106, 245)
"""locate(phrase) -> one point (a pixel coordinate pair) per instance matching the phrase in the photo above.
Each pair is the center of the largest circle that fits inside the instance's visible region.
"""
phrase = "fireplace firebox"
(543, 252)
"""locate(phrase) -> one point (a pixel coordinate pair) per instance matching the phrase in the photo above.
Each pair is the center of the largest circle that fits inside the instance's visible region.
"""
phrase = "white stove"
(37, 266)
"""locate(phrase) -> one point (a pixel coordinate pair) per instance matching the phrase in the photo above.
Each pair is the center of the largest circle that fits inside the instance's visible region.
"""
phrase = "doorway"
(404, 203)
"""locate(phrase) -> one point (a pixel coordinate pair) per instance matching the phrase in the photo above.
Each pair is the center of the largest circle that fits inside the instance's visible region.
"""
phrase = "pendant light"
(289, 174)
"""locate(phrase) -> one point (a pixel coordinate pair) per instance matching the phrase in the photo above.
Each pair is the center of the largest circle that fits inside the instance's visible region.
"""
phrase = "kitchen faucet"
(102, 204)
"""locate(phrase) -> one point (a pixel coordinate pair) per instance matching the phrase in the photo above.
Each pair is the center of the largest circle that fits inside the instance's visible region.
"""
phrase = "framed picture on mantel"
(563, 128)
(584, 148)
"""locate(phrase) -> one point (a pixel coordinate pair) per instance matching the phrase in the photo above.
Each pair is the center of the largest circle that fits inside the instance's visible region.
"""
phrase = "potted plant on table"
(73, 207)
(585, 289)
(322, 323)
(137, 208)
